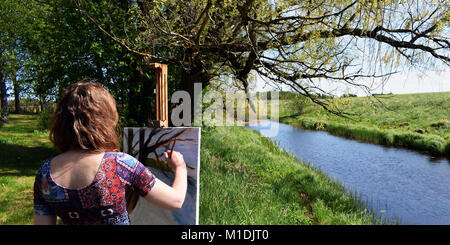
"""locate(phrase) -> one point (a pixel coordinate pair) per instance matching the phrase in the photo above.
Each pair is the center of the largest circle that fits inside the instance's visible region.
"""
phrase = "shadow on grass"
(19, 160)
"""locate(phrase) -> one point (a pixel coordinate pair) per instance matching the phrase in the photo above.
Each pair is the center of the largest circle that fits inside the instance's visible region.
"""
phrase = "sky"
(400, 83)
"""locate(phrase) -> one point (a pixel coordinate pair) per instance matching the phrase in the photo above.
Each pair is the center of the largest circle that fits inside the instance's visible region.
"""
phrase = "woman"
(86, 183)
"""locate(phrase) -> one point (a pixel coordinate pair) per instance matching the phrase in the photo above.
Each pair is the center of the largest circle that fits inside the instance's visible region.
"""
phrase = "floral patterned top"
(101, 202)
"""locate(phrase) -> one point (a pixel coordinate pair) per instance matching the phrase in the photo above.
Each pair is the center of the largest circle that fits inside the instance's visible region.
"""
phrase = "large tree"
(289, 42)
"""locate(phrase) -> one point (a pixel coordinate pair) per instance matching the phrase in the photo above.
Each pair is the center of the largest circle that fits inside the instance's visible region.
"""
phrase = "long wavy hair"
(85, 119)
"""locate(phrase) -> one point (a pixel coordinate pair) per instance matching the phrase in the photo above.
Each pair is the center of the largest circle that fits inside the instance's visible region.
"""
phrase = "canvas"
(147, 145)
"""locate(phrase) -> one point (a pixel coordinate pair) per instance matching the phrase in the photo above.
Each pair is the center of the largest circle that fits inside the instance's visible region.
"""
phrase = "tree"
(15, 31)
(6, 43)
(295, 43)
(4, 97)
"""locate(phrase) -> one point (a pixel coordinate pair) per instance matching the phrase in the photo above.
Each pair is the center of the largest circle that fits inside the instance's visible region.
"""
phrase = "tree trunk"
(3, 97)
(140, 100)
(41, 104)
(188, 79)
(16, 95)
(134, 99)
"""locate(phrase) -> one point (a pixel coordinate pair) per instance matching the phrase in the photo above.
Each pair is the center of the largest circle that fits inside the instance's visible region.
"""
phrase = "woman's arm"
(44, 219)
(170, 197)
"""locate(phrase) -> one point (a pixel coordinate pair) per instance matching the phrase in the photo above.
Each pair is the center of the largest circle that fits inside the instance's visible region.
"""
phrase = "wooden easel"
(162, 105)
(162, 119)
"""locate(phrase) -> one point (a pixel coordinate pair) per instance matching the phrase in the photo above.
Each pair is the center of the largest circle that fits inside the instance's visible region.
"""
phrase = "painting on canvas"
(147, 145)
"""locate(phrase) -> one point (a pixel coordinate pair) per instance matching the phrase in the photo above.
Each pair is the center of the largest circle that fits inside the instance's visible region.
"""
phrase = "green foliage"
(45, 120)
(128, 122)
(295, 103)
(52, 46)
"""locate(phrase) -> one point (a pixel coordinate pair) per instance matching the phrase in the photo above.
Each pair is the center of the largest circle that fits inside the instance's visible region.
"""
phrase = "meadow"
(245, 179)
(415, 121)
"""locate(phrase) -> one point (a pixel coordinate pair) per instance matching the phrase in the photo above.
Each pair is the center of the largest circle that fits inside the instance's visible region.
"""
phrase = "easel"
(162, 118)
(162, 106)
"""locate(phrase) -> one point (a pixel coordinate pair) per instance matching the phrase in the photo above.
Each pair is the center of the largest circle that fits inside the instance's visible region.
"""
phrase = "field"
(415, 121)
(245, 179)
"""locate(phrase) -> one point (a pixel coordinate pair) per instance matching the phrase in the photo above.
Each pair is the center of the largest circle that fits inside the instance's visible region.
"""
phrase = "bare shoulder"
(75, 169)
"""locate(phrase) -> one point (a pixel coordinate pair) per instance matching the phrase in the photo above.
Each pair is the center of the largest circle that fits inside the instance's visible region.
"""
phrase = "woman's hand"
(171, 197)
(174, 160)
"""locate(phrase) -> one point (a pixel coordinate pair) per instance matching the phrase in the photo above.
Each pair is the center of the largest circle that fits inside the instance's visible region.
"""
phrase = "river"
(397, 183)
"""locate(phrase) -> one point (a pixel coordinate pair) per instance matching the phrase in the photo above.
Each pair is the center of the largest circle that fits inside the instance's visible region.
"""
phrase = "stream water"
(397, 183)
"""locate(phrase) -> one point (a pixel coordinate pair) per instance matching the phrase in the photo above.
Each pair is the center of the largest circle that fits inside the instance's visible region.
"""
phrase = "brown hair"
(85, 118)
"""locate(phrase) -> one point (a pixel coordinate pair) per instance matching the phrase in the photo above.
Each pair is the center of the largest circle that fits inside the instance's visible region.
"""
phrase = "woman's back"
(75, 169)
(92, 192)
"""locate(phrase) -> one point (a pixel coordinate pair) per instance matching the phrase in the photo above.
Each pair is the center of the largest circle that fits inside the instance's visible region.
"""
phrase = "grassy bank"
(245, 179)
(414, 121)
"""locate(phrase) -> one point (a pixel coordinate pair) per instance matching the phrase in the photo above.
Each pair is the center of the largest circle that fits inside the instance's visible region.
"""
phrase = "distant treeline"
(348, 95)
(30, 106)
(382, 94)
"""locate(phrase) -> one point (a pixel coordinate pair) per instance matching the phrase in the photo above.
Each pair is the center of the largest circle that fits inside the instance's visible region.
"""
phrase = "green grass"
(247, 179)
(415, 121)
(22, 149)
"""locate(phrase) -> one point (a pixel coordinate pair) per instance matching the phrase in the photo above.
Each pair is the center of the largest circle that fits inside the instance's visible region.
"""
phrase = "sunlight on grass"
(23, 150)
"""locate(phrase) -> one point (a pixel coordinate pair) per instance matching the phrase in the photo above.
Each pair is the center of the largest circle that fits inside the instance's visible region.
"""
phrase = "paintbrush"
(173, 146)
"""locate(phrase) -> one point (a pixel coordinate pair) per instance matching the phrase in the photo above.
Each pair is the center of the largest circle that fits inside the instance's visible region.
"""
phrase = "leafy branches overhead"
(296, 43)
